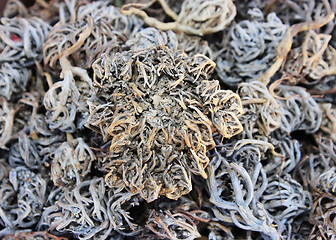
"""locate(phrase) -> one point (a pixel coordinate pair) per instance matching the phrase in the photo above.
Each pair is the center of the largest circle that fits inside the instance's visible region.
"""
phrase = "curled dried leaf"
(156, 107)
(198, 17)
(21, 39)
(13, 79)
(71, 162)
(100, 37)
(251, 48)
(299, 109)
(172, 226)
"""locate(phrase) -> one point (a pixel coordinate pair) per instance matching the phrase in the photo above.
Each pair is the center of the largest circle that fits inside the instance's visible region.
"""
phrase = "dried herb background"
(166, 119)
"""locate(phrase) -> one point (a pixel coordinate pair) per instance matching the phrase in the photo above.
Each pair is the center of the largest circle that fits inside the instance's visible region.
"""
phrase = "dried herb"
(196, 17)
(158, 109)
(111, 126)
(251, 48)
(71, 162)
(22, 39)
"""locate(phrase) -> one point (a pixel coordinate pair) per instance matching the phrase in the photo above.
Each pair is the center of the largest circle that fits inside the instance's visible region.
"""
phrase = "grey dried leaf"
(235, 189)
(202, 17)
(25, 152)
(102, 10)
(4, 169)
(292, 12)
(23, 197)
(15, 8)
(198, 17)
(284, 198)
(290, 149)
(65, 101)
(21, 39)
(251, 48)
(35, 141)
(259, 103)
(299, 109)
(71, 162)
(172, 225)
(152, 37)
(328, 125)
(326, 182)
(322, 217)
(193, 45)
(87, 212)
(24, 235)
(7, 122)
(219, 232)
(313, 60)
(13, 79)
(101, 37)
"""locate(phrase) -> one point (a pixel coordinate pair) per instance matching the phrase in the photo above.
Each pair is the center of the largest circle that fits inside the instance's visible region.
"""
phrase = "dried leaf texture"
(236, 183)
(33, 236)
(251, 48)
(65, 101)
(328, 125)
(101, 37)
(172, 226)
(323, 218)
(285, 199)
(198, 17)
(314, 60)
(15, 8)
(35, 141)
(294, 11)
(290, 151)
(22, 198)
(13, 79)
(105, 12)
(21, 39)
(152, 37)
(7, 122)
(193, 45)
(89, 212)
(71, 162)
(159, 112)
(300, 111)
(263, 111)
(203, 17)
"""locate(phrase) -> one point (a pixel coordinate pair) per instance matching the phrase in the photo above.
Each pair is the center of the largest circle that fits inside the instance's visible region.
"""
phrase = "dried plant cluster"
(159, 111)
(113, 125)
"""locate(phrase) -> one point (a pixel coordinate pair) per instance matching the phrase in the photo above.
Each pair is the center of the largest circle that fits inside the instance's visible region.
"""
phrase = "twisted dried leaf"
(196, 17)
(156, 107)
(21, 39)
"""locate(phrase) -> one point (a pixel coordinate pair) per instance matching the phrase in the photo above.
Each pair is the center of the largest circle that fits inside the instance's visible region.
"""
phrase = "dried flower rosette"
(158, 112)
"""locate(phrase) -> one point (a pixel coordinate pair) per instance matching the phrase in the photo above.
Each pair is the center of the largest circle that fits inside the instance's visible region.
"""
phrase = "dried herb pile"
(168, 119)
